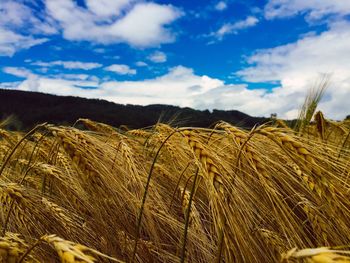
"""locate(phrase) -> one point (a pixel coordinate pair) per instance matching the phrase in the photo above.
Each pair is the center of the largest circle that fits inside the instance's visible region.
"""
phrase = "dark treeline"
(31, 108)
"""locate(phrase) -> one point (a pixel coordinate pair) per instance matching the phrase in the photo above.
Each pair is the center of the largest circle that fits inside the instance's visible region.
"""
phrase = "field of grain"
(95, 193)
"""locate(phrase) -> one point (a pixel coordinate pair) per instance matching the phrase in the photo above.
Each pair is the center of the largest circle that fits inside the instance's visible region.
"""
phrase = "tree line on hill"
(31, 108)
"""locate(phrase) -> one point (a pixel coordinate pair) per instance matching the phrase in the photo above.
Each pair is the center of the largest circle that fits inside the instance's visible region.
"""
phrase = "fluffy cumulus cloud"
(158, 57)
(121, 69)
(315, 9)
(298, 66)
(234, 28)
(135, 22)
(143, 25)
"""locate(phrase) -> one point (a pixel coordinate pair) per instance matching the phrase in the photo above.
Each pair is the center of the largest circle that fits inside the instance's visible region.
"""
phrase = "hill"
(32, 108)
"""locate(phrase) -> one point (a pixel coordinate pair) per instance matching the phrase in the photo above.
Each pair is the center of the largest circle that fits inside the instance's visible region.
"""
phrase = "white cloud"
(121, 69)
(78, 65)
(18, 27)
(32, 83)
(69, 64)
(141, 64)
(220, 6)
(143, 25)
(76, 77)
(58, 86)
(17, 16)
(158, 57)
(107, 8)
(26, 73)
(233, 28)
(9, 85)
(18, 72)
(135, 22)
(11, 42)
(314, 9)
(13, 13)
(180, 86)
(298, 65)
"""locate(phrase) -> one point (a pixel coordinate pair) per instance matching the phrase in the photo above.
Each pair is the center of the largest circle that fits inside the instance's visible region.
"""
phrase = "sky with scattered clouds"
(256, 56)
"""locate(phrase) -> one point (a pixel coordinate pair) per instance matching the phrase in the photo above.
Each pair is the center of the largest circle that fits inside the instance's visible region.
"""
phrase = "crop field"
(95, 193)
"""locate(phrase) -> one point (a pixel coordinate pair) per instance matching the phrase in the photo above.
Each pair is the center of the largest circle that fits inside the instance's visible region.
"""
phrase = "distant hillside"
(32, 108)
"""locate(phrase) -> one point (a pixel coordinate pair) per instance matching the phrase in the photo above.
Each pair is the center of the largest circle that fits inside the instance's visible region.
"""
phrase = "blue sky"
(255, 56)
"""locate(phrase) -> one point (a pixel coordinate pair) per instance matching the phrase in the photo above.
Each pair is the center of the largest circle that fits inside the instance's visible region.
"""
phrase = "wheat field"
(96, 193)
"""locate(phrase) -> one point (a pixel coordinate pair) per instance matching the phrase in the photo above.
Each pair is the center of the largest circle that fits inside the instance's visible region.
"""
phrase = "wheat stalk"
(205, 160)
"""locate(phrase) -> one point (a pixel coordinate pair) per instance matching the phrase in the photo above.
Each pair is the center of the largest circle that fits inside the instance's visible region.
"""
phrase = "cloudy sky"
(256, 56)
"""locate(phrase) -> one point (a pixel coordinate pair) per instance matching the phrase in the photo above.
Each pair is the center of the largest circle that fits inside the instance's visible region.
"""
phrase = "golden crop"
(165, 194)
